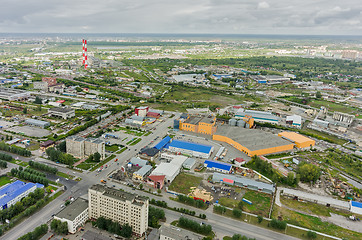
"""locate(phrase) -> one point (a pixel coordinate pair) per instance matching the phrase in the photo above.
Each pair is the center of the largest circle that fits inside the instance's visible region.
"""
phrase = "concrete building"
(299, 140)
(218, 166)
(90, 235)
(175, 233)
(294, 120)
(83, 147)
(64, 113)
(356, 207)
(343, 118)
(258, 116)
(47, 144)
(49, 80)
(189, 163)
(196, 124)
(11, 94)
(141, 111)
(75, 214)
(190, 148)
(14, 192)
(138, 162)
(142, 173)
(149, 154)
(43, 86)
(169, 170)
(37, 123)
(119, 206)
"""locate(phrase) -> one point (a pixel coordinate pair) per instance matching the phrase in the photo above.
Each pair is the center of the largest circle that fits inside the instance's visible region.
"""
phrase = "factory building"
(163, 143)
(142, 172)
(75, 214)
(64, 113)
(196, 124)
(169, 170)
(37, 123)
(119, 206)
(258, 116)
(218, 166)
(343, 118)
(11, 94)
(356, 207)
(83, 147)
(190, 148)
(138, 162)
(243, 182)
(299, 140)
(294, 120)
(14, 192)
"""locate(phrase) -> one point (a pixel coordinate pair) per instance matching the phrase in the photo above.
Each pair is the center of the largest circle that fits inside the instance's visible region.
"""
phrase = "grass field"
(331, 106)
(64, 175)
(136, 141)
(4, 180)
(112, 148)
(261, 203)
(183, 182)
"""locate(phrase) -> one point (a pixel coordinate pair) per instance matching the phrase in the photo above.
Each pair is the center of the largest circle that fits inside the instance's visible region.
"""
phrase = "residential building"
(64, 113)
(119, 206)
(75, 214)
(41, 86)
(83, 147)
(51, 81)
(14, 192)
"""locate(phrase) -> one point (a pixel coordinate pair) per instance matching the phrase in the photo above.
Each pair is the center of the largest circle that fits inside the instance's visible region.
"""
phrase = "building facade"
(83, 147)
(119, 206)
(64, 113)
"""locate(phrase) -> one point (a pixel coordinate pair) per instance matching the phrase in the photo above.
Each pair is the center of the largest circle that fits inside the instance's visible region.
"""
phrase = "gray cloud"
(187, 16)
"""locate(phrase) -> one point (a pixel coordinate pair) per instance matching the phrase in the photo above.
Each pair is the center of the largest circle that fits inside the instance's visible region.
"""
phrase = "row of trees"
(114, 227)
(36, 234)
(154, 215)
(58, 156)
(240, 237)
(194, 226)
(278, 224)
(190, 201)
(59, 227)
(3, 164)
(33, 177)
(43, 167)
(27, 205)
(158, 203)
(14, 149)
(32, 171)
(5, 156)
(78, 129)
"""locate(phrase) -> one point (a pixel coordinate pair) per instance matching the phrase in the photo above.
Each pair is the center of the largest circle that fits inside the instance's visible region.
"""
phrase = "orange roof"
(157, 178)
(295, 137)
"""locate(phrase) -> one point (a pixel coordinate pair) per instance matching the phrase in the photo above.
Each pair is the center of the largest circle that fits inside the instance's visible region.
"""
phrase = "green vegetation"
(14, 149)
(77, 129)
(192, 202)
(112, 148)
(136, 141)
(59, 157)
(308, 172)
(42, 167)
(38, 233)
(4, 180)
(274, 223)
(30, 175)
(154, 216)
(103, 162)
(3, 164)
(114, 227)
(183, 182)
(64, 175)
(195, 226)
(59, 227)
(261, 203)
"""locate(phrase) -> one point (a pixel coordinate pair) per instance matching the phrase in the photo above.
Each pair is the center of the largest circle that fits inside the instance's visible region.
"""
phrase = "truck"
(103, 181)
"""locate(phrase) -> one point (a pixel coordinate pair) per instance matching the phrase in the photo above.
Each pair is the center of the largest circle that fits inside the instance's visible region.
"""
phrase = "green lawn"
(64, 175)
(103, 162)
(261, 203)
(183, 182)
(136, 141)
(4, 180)
(228, 202)
(112, 148)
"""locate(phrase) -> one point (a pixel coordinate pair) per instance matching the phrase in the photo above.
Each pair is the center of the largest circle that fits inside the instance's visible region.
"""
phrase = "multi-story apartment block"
(119, 206)
(83, 147)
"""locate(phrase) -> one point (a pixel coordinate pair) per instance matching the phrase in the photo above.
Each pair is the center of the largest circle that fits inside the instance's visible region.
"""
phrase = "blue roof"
(220, 165)
(356, 204)
(11, 191)
(162, 143)
(190, 146)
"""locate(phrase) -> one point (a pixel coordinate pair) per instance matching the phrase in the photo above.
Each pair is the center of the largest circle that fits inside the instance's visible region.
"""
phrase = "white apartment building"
(75, 214)
(83, 147)
(119, 206)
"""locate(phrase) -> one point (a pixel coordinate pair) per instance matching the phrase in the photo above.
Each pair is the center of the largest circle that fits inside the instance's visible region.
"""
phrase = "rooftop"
(220, 165)
(178, 233)
(191, 146)
(89, 235)
(253, 139)
(120, 195)
(294, 137)
(74, 209)
(63, 110)
(143, 170)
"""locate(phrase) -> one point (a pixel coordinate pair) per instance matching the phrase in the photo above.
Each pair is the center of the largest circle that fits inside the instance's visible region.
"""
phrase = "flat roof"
(178, 233)
(193, 120)
(90, 235)
(167, 169)
(295, 137)
(356, 204)
(35, 121)
(196, 147)
(63, 110)
(143, 170)
(252, 139)
(162, 143)
(74, 209)
(219, 165)
(120, 195)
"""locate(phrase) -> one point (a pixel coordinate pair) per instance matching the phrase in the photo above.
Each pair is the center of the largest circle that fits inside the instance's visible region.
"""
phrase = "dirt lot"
(30, 131)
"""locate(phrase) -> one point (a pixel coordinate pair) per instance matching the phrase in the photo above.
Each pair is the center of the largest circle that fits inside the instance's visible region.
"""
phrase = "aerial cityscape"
(168, 121)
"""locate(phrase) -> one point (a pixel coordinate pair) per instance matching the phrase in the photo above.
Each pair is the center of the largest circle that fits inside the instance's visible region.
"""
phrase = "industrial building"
(163, 143)
(356, 207)
(314, 198)
(37, 123)
(83, 147)
(189, 163)
(343, 118)
(149, 153)
(299, 140)
(190, 148)
(218, 166)
(11, 94)
(252, 141)
(175, 233)
(49, 80)
(138, 162)
(259, 116)
(205, 125)
(64, 113)
(243, 182)
(142, 172)
(75, 214)
(294, 120)
(190, 78)
(47, 144)
(169, 170)
(14, 192)
(119, 206)
(43, 86)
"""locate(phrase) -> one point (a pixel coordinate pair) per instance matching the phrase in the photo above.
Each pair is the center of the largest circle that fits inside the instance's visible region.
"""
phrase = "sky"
(306, 17)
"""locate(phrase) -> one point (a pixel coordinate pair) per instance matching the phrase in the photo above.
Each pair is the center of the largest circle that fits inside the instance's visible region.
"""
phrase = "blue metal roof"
(162, 143)
(190, 146)
(220, 165)
(15, 189)
(356, 204)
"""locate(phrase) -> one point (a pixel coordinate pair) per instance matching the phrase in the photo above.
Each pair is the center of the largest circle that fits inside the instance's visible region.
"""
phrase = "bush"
(194, 226)
(220, 209)
(59, 227)
(237, 213)
(278, 224)
(36, 234)
(260, 219)
(311, 235)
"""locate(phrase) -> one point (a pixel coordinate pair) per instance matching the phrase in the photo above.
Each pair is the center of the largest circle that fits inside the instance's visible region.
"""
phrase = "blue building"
(218, 166)
(14, 192)
(190, 148)
(162, 143)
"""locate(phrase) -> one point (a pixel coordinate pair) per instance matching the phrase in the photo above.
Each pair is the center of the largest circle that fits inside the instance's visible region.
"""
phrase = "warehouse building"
(218, 166)
(37, 123)
(131, 208)
(259, 116)
(11, 94)
(190, 148)
(173, 158)
(243, 182)
(75, 214)
(356, 207)
(252, 141)
(294, 120)
(205, 125)
(14, 192)
(149, 154)
(138, 162)
(169, 170)
(142, 172)
(64, 113)
(163, 143)
(299, 140)
(189, 163)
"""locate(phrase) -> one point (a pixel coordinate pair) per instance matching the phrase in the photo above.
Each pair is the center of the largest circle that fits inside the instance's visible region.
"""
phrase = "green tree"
(260, 218)
(97, 157)
(309, 172)
(311, 235)
(38, 100)
(25, 110)
(126, 231)
(237, 213)
(318, 95)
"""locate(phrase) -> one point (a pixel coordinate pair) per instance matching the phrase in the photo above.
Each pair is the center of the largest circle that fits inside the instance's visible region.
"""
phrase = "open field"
(183, 182)
(261, 203)
(4, 180)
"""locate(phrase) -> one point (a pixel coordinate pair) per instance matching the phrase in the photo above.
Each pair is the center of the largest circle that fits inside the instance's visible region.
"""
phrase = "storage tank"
(232, 122)
(241, 123)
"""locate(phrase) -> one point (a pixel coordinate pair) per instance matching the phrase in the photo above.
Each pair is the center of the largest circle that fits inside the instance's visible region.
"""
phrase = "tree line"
(114, 227)
(43, 167)
(77, 129)
(3, 164)
(30, 175)
(5, 157)
(36, 234)
(194, 226)
(190, 201)
(14, 149)
(59, 227)
(58, 156)
(154, 215)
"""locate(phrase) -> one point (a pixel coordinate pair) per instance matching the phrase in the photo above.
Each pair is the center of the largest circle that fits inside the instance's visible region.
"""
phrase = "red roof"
(60, 101)
(238, 159)
(152, 114)
(157, 178)
(237, 107)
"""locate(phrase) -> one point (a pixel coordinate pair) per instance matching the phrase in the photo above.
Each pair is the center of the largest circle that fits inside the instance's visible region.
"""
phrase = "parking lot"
(30, 131)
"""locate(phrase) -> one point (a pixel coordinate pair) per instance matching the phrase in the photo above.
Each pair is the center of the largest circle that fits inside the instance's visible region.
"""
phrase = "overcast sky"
(331, 17)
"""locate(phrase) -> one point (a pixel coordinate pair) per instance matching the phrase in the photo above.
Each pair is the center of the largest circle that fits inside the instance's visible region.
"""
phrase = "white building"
(355, 207)
(169, 170)
(294, 120)
(75, 214)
